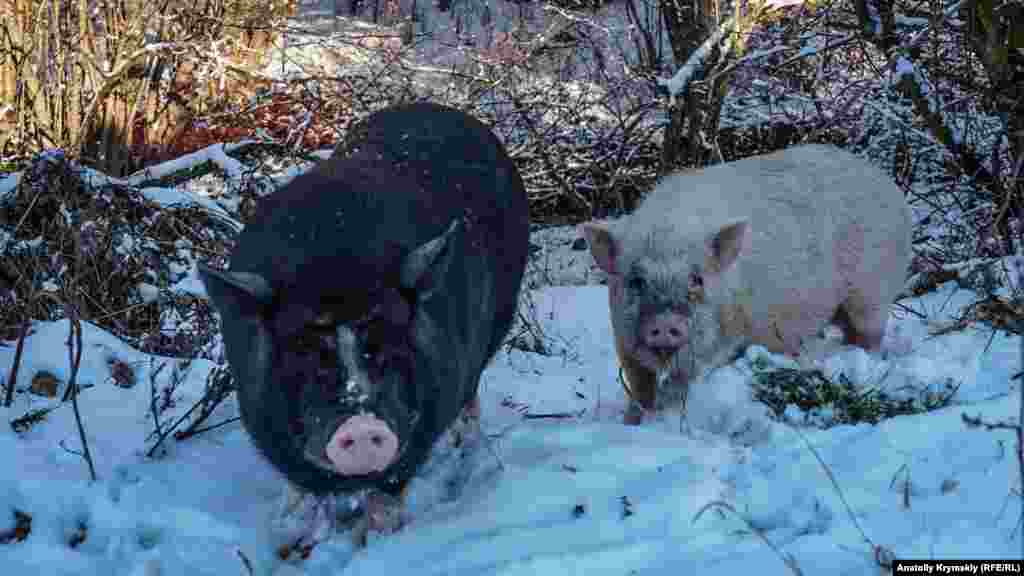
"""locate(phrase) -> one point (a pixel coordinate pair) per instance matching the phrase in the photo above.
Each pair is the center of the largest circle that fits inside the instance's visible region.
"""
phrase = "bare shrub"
(119, 76)
(120, 241)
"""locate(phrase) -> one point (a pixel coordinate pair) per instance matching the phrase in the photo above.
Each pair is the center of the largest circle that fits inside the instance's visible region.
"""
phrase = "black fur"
(333, 240)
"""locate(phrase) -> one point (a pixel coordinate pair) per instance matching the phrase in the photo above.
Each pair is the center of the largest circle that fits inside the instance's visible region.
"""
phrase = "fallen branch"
(553, 415)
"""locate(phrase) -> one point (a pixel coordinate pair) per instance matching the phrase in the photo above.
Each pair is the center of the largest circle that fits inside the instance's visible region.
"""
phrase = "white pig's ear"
(424, 269)
(604, 246)
(235, 293)
(725, 245)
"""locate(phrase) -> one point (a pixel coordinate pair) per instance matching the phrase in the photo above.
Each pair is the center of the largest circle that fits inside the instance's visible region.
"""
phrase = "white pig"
(766, 250)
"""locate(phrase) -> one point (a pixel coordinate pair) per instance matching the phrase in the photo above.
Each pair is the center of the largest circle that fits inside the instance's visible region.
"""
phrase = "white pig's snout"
(664, 333)
(361, 445)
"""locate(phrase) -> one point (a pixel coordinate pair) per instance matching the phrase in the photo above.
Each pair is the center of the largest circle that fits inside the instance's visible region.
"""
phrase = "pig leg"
(472, 410)
(640, 385)
(466, 429)
(383, 514)
(307, 519)
(386, 514)
(863, 322)
(471, 414)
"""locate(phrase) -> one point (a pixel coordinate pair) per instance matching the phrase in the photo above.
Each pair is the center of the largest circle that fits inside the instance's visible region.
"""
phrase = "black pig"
(366, 297)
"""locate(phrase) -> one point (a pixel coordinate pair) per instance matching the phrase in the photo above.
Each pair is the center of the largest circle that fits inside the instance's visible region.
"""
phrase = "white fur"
(825, 231)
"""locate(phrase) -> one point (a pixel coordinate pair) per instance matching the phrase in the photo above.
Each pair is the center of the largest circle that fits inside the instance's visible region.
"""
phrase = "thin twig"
(245, 561)
(154, 408)
(552, 415)
(13, 377)
(75, 356)
(185, 434)
(786, 558)
(835, 484)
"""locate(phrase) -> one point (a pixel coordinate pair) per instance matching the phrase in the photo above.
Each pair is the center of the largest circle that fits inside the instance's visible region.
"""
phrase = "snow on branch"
(677, 84)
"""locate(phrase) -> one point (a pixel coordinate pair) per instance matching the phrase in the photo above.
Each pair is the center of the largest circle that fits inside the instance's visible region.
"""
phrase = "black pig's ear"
(424, 269)
(236, 293)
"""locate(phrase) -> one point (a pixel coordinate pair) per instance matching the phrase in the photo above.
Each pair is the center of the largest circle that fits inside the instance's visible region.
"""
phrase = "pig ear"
(604, 246)
(725, 245)
(235, 293)
(424, 269)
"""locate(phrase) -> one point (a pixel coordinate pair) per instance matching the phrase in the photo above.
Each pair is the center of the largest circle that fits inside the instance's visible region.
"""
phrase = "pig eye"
(695, 292)
(370, 350)
(374, 359)
(637, 283)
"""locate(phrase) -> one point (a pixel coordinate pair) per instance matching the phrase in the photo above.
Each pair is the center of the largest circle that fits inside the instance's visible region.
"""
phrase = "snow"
(216, 153)
(678, 83)
(557, 502)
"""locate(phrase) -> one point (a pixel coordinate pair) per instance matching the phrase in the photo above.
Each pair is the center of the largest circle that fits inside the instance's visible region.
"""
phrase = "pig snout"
(664, 334)
(361, 445)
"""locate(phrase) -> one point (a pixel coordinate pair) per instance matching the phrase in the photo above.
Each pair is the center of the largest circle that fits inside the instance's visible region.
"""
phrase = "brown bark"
(688, 23)
(996, 34)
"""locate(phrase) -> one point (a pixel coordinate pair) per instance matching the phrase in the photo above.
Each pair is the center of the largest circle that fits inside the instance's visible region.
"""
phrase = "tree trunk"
(689, 23)
(997, 37)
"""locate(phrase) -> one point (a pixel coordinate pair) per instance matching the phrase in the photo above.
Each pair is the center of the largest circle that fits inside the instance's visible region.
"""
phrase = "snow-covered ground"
(548, 496)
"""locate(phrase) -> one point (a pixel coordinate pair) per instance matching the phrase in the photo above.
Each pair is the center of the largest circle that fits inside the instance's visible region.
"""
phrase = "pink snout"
(664, 334)
(361, 445)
